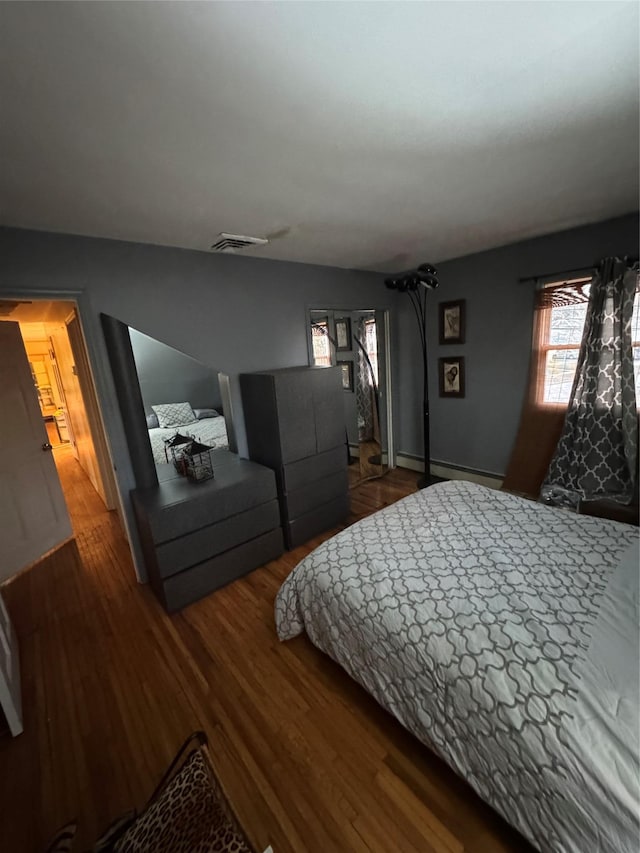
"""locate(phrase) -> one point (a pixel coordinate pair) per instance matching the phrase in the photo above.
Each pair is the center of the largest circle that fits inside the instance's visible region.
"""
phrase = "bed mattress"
(504, 635)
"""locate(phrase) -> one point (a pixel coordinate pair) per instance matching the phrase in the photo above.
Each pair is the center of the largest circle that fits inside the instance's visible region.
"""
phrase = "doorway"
(357, 342)
(66, 398)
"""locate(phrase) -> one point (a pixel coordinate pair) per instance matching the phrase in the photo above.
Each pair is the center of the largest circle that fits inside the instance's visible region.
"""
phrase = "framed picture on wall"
(451, 376)
(347, 374)
(452, 322)
(343, 334)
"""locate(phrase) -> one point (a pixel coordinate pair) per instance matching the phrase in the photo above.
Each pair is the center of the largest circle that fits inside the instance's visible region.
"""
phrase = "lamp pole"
(426, 433)
(415, 285)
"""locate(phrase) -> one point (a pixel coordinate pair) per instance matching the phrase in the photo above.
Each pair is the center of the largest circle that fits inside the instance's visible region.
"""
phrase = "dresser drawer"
(176, 507)
(195, 547)
(313, 495)
(306, 526)
(194, 583)
(298, 474)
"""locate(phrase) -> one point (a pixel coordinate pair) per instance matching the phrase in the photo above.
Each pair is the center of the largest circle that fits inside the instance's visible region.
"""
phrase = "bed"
(504, 635)
(207, 430)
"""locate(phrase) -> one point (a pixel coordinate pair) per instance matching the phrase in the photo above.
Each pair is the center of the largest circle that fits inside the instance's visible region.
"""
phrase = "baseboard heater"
(450, 471)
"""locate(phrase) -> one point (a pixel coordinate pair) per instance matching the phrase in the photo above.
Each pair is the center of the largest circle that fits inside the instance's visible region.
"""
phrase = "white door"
(33, 514)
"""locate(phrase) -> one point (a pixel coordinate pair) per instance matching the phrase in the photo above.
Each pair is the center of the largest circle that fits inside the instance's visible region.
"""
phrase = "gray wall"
(232, 313)
(478, 431)
(235, 314)
(168, 376)
(238, 314)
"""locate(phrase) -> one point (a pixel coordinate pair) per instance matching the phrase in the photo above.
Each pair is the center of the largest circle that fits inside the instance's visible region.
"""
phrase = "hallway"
(86, 508)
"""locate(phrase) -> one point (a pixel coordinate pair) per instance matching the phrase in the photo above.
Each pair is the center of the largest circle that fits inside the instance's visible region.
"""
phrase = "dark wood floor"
(112, 686)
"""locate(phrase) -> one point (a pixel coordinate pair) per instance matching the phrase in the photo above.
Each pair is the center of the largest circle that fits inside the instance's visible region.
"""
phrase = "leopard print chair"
(187, 813)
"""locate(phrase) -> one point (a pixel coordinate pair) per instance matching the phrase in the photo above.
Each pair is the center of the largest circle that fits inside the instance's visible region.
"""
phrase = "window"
(320, 342)
(564, 308)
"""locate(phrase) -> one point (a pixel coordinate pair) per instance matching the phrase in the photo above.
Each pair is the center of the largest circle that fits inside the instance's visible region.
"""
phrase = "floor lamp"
(416, 285)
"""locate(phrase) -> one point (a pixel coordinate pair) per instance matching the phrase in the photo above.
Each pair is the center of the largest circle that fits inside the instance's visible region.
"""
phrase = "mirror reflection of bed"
(180, 395)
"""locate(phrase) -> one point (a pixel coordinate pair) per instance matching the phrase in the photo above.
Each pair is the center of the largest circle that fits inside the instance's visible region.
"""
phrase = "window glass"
(321, 344)
(567, 323)
(561, 344)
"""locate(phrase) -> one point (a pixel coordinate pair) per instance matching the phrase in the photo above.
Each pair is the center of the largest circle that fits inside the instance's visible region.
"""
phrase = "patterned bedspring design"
(504, 635)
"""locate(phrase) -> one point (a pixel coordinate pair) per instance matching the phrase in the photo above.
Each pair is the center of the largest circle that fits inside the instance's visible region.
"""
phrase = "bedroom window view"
(561, 338)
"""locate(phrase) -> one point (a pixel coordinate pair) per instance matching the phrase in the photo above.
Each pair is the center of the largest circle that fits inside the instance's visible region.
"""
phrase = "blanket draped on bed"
(468, 614)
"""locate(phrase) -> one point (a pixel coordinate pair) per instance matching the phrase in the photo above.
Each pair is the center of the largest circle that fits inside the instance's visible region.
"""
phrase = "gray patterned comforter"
(504, 635)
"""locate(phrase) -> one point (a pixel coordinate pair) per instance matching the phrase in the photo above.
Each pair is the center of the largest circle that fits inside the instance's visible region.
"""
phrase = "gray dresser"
(295, 424)
(197, 537)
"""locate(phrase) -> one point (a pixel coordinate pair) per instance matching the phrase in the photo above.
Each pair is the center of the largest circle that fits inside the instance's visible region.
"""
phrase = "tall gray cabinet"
(295, 424)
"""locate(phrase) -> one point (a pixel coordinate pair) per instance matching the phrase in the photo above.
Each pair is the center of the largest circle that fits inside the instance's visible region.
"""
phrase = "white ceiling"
(370, 135)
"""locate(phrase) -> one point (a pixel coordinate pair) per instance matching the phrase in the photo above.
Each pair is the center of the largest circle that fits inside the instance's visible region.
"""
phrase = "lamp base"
(429, 480)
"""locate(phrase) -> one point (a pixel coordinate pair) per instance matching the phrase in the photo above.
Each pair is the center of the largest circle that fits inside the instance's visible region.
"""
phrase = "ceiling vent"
(232, 243)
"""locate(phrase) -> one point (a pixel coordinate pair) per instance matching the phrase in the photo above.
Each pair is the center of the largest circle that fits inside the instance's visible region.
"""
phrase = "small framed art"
(343, 334)
(347, 374)
(452, 322)
(451, 376)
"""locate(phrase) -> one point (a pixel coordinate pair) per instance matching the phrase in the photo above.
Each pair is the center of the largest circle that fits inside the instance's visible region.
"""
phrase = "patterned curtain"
(365, 390)
(596, 456)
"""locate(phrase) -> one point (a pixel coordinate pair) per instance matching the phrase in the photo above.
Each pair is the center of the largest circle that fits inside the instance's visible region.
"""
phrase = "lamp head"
(401, 283)
(428, 276)
(425, 276)
(429, 281)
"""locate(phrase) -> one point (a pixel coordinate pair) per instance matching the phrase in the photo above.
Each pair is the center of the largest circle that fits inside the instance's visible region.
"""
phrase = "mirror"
(355, 342)
(180, 395)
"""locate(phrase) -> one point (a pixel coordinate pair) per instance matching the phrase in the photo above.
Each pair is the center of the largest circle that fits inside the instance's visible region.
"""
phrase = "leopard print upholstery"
(63, 841)
(189, 816)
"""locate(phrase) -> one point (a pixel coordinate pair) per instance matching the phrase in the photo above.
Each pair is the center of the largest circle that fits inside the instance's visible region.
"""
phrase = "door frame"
(113, 431)
(391, 445)
(386, 332)
(93, 414)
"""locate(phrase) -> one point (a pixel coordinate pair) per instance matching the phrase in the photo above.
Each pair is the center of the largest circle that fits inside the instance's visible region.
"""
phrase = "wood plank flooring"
(112, 686)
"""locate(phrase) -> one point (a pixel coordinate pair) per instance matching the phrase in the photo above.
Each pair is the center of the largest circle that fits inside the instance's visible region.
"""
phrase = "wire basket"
(198, 460)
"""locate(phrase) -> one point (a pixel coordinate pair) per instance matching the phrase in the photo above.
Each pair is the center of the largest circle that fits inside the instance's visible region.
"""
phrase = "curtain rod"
(582, 272)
